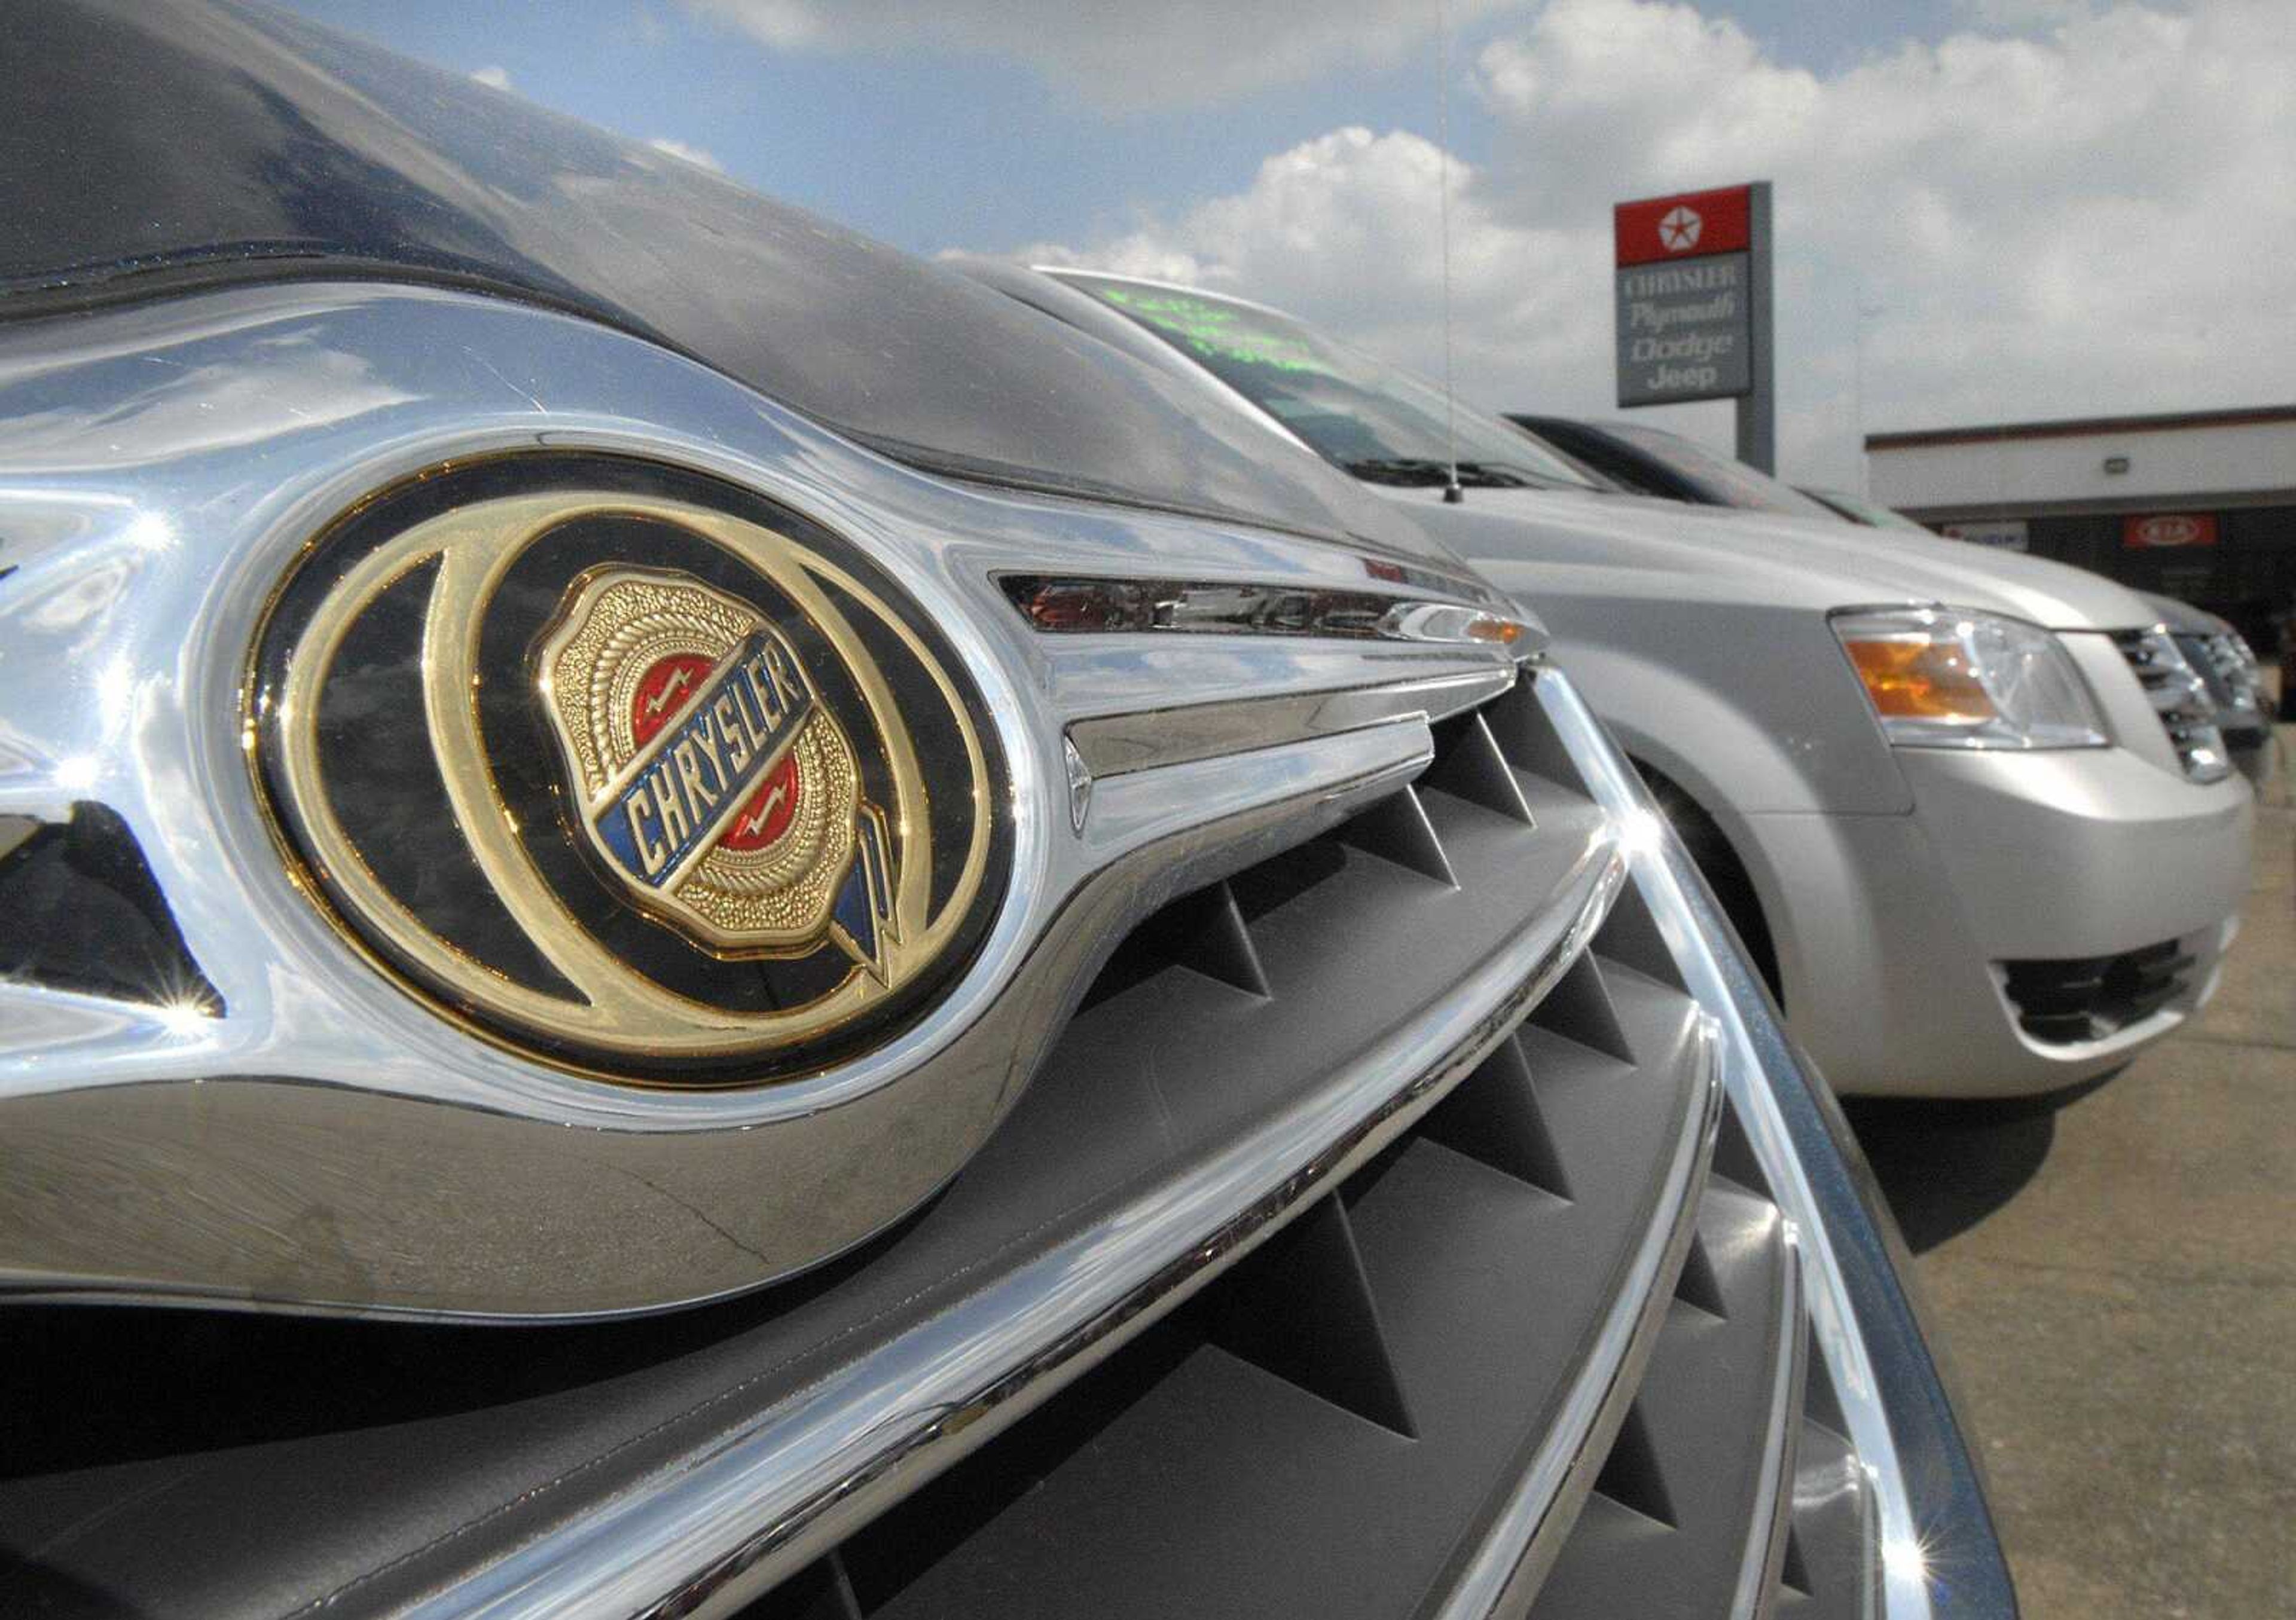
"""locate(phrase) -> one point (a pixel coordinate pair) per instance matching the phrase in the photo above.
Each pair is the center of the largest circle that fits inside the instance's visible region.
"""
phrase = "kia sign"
(1693, 303)
(2168, 530)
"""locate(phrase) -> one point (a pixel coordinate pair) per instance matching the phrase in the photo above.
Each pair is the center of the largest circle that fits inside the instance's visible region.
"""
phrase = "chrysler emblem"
(713, 781)
(628, 770)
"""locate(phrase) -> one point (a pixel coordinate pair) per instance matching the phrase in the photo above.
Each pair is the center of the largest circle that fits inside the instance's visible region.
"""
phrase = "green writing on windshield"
(1216, 332)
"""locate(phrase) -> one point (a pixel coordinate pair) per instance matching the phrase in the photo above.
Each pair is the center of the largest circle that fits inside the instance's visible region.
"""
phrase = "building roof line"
(2084, 426)
(2158, 504)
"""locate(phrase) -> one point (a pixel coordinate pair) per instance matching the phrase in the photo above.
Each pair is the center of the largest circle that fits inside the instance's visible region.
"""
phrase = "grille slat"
(1828, 1573)
(1306, 1312)
(1693, 1503)
(1207, 1470)
(1271, 1452)
(1397, 829)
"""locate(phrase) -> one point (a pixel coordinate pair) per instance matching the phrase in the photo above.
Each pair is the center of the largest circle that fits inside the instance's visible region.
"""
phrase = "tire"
(1725, 873)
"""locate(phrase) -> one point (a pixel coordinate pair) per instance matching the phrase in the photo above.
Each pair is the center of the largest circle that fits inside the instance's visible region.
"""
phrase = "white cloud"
(493, 76)
(1120, 56)
(1344, 229)
(2095, 218)
(691, 154)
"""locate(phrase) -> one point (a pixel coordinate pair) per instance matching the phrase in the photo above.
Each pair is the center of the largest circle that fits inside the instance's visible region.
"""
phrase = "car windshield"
(1378, 421)
(1863, 510)
(1717, 477)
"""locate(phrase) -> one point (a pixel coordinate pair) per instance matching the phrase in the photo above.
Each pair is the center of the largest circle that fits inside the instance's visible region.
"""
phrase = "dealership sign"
(2003, 533)
(2165, 529)
(1685, 296)
(1692, 289)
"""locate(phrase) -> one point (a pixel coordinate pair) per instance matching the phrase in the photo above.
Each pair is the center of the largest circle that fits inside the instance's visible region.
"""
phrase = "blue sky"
(1988, 210)
(931, 148)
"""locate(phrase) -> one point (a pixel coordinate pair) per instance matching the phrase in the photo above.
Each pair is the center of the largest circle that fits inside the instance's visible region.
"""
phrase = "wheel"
(1725, 873)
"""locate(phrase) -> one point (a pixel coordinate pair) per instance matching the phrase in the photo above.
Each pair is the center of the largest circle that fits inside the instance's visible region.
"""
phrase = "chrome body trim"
(721, 1528)
(1094, 604)
(1115, 744)
(1505, 1572)
(1766, 1543)
(1938, 1557)
(165, 465)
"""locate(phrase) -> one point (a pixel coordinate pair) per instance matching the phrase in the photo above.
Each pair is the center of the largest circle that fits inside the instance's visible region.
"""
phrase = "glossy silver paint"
(164, 466)
(1700, 631)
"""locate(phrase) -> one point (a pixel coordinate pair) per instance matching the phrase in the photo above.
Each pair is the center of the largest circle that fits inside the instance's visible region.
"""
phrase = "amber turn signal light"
(1920, 680)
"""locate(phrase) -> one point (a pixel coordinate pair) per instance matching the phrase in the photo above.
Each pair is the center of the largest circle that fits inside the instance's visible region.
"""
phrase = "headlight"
(1945, 678)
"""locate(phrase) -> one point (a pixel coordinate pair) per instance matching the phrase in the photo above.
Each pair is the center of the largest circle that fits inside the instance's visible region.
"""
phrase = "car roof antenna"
(1453, 495)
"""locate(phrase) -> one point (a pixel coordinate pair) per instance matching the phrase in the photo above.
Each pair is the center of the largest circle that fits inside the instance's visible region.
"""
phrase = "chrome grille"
(2228, 669)
(1546, 1351)
(1311, 1435)
(2180, 697)
(1375, 1238)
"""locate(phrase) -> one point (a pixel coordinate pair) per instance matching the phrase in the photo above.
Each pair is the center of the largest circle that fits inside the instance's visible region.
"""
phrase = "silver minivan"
(1971, 811)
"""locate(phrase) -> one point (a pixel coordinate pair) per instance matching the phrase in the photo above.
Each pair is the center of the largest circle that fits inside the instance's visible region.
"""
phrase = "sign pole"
(1758, 417)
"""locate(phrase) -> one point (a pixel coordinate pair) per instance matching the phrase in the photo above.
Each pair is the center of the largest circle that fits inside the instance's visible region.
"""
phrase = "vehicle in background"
(2222, 658)
(2212, 645)
(1969, 811)
(1857, 508)
(575, 742)
(1652, 462)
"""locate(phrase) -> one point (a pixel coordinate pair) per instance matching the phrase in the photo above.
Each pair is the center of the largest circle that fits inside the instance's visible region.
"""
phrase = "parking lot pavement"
(2116, 1283)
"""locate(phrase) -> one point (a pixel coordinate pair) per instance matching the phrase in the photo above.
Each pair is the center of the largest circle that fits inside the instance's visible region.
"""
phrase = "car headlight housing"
(1950, 678)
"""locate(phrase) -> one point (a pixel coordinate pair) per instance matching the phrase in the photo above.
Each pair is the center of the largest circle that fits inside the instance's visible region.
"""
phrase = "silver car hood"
(1723, 553)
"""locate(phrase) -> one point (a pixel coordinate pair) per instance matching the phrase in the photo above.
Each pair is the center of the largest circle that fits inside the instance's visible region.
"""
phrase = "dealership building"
(2200, 505)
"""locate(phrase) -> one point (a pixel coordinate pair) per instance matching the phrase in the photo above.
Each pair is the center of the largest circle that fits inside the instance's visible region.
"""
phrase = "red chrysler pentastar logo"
(1688, 224)
(2163, 529)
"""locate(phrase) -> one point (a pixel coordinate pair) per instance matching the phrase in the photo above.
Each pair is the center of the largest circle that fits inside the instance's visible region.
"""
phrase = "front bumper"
(1898, 929)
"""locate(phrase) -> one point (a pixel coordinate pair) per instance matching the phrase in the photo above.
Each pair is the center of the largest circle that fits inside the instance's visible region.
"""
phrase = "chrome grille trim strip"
(721, 1529)
(1766, 1544)
(1928, 1503)
(1087, 605)
(1522, 1542)
(1114, 744)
